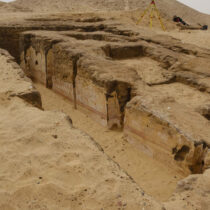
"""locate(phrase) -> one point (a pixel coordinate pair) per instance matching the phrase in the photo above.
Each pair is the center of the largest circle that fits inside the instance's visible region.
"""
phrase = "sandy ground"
(46, 164)
(156, 179)
(184, 94)
(197, 37)
(167, 8)
(39, 165)
(149, 70)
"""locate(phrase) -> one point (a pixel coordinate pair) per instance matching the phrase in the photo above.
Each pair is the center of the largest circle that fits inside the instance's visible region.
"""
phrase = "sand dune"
(167, 8)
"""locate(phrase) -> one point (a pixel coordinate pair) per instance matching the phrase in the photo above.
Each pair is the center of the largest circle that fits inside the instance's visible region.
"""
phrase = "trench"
(153, 177)
(156, 178)
(91, 105)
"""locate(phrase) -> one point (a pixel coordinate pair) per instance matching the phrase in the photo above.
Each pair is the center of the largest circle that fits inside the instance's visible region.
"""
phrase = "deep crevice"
(198, 163)
(207, 116)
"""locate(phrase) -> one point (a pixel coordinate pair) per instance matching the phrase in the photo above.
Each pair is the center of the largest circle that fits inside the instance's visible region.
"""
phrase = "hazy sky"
(201, 5)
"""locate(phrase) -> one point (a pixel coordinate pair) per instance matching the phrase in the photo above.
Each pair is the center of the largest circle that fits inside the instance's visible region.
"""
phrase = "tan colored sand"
(125, 10)
(167, 8)
(184, 94)
(41, 171)
(197, 37)
(46, 164)
(156, 179)
(149, 70)
(192, 193)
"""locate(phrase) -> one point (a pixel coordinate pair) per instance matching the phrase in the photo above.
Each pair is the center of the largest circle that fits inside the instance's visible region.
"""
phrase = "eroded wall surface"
(57, 68)
(157, 139)
(163, 136)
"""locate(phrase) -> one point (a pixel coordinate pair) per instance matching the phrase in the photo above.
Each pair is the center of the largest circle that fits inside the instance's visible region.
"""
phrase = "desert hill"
(167, 8)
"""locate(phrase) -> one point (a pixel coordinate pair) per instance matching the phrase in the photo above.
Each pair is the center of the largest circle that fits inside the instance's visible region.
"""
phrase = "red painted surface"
(136, 132)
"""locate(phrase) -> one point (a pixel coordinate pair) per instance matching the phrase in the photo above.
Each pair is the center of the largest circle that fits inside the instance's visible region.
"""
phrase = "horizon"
(195, 4)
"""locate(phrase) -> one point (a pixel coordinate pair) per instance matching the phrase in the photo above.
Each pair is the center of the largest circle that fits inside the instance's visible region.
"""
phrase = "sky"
(200, 5)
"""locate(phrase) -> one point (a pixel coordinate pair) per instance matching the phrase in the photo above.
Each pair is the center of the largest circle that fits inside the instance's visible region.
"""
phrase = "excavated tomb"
(101, 77)
(130, 81)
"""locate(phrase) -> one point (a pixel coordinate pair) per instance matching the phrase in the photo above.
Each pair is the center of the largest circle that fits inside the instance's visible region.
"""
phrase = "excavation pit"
(138, 165)
(124, 52)
(115, 115)
(101, 88)
(123, 90)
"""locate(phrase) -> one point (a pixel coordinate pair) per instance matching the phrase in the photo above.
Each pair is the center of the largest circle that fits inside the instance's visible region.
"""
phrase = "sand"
(138, 165)
(197, 37)
(167, 8)
(47, 164)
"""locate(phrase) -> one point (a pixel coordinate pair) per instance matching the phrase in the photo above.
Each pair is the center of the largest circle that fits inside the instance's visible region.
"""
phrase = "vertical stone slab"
(35, 65)
(60, 72)
(113, 110)
(63, 88)
(91, 98)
